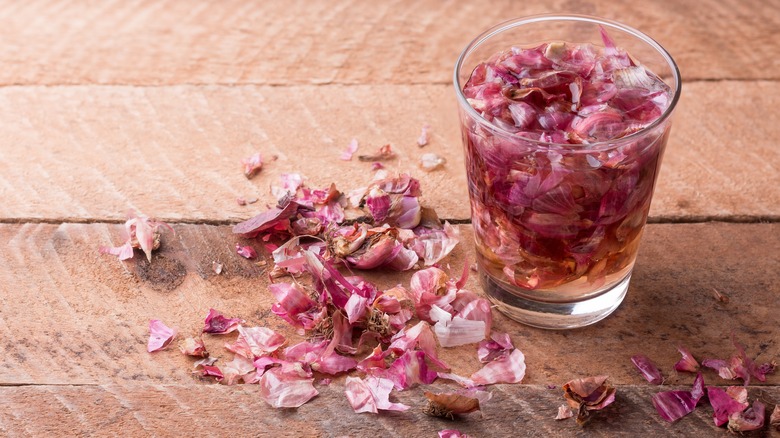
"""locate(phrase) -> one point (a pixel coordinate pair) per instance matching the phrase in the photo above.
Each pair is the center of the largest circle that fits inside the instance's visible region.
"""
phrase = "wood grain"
(71, 316)
(720, 160)
(91, 153)
(303, 42)
(215, 410)
(175, 152)
(150, 105)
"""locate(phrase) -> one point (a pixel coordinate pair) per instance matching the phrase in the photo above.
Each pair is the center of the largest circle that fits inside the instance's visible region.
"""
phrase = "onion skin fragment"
(647, 368)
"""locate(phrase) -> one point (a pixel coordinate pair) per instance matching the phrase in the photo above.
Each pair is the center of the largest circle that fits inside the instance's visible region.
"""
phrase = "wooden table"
(150, 105)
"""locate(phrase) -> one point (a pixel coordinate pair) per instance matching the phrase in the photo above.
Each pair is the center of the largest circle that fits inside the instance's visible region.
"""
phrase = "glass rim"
(516, 22)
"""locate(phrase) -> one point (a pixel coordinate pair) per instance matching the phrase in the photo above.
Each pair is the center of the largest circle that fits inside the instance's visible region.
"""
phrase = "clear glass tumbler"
(557, 225)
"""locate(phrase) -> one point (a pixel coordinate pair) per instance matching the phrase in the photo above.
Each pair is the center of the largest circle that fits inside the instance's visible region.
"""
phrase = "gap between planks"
(733, 219)
(504, 386)
(306, 84)
(42, 384)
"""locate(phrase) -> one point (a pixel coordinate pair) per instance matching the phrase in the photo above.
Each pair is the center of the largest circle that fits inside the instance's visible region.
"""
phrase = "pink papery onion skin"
(774, 419)
(285, 391)
(687, 363)
(452, 433)
(252, 165)
(408, 371)
(371, 395)
(246, 252)
(350, 150)
(498, 346)
(193, 347)
(749, 419)
(723, 405)
(142, 232)
(216, 323)
(564, 412)
(459, 331)
(253, 342)
(160, 336)
(510, 369)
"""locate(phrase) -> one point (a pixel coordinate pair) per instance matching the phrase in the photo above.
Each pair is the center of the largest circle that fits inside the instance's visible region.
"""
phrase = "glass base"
(556, 316)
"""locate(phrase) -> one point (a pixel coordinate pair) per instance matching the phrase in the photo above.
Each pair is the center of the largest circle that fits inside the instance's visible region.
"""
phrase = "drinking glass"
(557, 226)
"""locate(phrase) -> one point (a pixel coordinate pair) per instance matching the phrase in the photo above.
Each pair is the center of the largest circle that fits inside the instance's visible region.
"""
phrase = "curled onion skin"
(217, 323)
(723, 405)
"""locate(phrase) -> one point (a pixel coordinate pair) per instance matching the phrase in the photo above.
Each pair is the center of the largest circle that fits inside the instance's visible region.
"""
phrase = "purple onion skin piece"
(648, 369)
(552, 211)
(673, 405)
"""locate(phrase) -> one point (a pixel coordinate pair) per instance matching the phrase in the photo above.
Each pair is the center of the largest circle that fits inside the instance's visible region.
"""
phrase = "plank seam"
(301, 84)
(731, 219)
(695, 219)
(22, 384)
(501, 387)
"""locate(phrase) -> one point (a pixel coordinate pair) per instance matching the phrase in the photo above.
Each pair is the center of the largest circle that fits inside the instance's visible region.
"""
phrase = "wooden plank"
(719, 162)
(91, 153)
(171, 410)
(304, 42)
(71, 316)
(175, 152)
